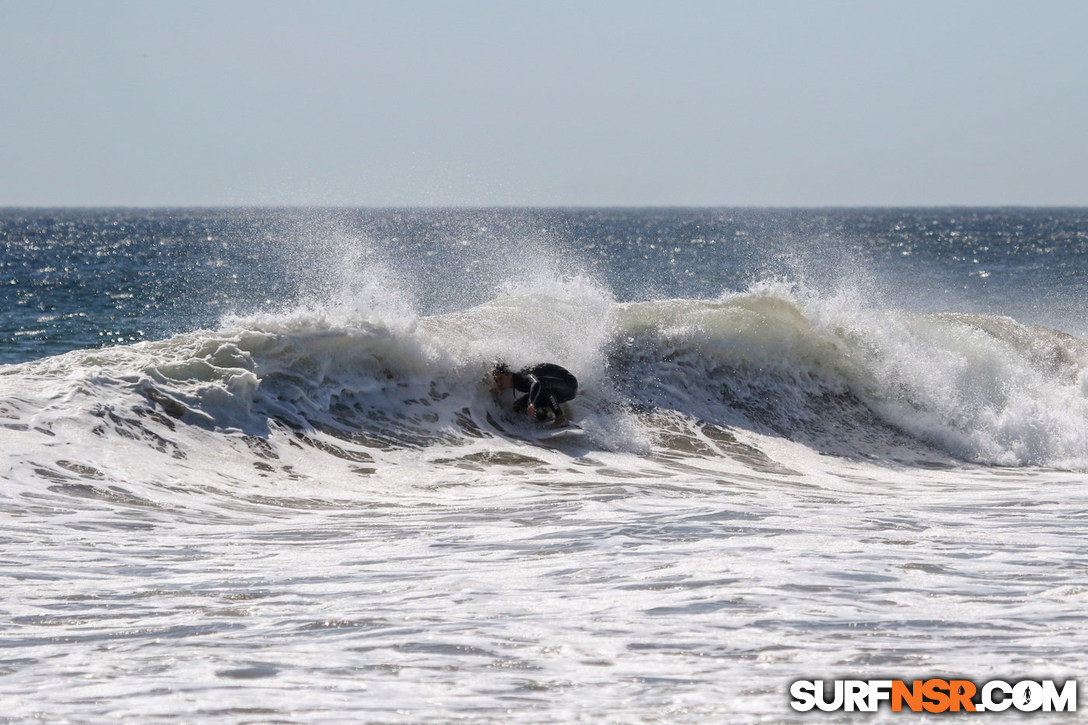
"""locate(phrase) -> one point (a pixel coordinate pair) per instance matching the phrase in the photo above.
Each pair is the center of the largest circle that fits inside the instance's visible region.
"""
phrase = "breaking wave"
(663, 383)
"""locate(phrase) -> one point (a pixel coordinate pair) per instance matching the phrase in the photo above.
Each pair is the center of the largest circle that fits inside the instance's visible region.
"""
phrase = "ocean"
(253, 472)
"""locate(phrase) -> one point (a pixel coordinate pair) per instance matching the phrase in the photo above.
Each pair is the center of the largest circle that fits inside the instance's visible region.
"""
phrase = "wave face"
(671, 380)
(852, 381)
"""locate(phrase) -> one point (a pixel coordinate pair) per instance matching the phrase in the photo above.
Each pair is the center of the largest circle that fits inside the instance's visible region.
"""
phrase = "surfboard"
(573, 431)
(541, 433)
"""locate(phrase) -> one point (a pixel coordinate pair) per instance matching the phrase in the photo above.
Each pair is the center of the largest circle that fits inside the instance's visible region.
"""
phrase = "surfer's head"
(503, 377)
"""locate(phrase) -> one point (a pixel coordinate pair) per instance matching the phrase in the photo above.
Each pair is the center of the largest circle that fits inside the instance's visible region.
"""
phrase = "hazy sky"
(590, 102)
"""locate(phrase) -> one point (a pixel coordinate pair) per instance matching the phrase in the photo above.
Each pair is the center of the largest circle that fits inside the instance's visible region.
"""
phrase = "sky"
(543, 103)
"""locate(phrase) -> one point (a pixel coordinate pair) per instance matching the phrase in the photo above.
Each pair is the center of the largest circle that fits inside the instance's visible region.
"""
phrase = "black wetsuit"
(547, 386)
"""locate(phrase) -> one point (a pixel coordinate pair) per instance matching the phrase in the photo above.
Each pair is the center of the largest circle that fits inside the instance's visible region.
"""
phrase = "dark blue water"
(78, 278)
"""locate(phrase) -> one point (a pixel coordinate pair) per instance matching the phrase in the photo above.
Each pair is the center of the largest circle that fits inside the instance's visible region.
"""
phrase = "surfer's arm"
(541, 399)
(535, 389)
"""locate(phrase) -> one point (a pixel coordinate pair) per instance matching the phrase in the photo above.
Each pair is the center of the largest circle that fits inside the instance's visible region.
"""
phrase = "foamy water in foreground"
(539, 588)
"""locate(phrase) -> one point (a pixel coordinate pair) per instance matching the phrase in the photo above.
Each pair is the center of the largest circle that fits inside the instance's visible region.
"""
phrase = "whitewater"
(253, 471)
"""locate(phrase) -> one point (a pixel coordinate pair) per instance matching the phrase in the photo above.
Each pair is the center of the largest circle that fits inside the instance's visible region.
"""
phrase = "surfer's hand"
(531, 411)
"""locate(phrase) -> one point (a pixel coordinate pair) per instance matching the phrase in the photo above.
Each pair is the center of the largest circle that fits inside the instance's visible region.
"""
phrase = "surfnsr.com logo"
(934, 695)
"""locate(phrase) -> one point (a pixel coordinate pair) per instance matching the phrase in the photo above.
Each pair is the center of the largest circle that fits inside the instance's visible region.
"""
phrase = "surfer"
(546, 387)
